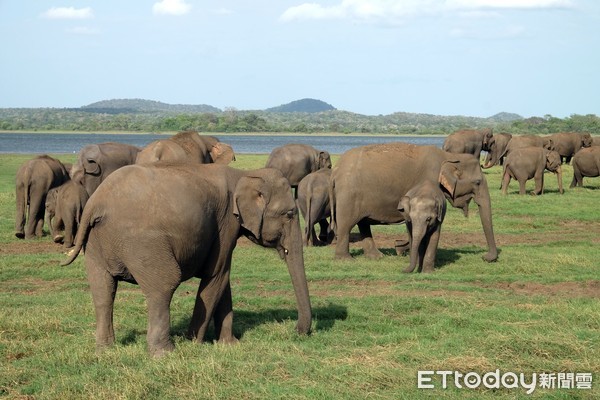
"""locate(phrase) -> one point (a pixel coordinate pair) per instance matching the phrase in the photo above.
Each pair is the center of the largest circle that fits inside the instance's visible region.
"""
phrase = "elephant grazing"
(529, 163)
(368, 181)
(424, 209)
(569, 143)
(296, 161)
(586, 162)
(157, 225)
(497, 150)
(34, 179)
(469, 141)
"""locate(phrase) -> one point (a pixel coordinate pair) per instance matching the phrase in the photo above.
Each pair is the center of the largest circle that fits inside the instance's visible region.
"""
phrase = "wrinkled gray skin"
(313, 202)
(188, 146)
(296, 161)
(33, 181)
(97, 161)
(158, 225)
(529, 163)
(518, 142)
(596, 141)
(586, 162)
(424, 209)
(65, 204)
(469, 141)
(569, 143)
(368, 181)
(497, 150)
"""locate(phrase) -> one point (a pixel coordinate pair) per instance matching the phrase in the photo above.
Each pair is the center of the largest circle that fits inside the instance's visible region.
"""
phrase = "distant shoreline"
(170, 133)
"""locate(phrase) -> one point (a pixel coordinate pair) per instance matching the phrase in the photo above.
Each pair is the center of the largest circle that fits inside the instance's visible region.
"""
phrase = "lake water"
(242, 144)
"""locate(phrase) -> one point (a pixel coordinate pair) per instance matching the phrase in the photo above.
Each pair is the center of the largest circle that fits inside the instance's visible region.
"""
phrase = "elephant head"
(586, 140)
(488, 138)
(462, 180)
(324, 160)
(266, 210)
(222, 153)
(553, 164)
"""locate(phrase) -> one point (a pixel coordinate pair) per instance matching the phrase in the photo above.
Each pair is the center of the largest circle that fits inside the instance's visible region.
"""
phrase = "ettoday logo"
(508, 380)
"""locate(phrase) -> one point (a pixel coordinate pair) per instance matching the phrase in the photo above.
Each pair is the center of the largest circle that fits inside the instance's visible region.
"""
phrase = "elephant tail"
(308, 220)
(333, 204)
(89, 218)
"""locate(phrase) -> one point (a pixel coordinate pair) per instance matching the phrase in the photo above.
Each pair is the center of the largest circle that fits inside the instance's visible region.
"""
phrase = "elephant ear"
(222, 153)
(90, 160)
(249, 203)
(404, 206)
(449, 174)
(441, 205)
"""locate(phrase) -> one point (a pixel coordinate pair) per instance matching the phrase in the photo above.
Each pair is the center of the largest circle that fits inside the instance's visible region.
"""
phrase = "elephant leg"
(522, 183)
(224, 318)
(505, 182)
(32, 226)
(159, 319)
(70, 229)
(539, 184)
(371, 250)
(342, 246)
(577, 178)
(430, 251)
(209, 295)
(324, 231)
(21, 211)
(103, 287)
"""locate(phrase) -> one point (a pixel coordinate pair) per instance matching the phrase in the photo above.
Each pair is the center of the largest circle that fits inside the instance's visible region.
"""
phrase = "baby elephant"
(530, 162)
(424, 209)
(313, 202)
(64, 205)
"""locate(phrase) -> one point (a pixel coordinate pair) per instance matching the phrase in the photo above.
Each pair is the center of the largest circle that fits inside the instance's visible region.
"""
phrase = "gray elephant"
(569, 143)
(586, 162)
(66, 205)
(157, 225)
(518, 142)
(187, 146)
(497, 150)
(423, 208)
(51, 208)
(469, 141)
(368, 181)
(96, 162)
(529, 163)
(33, 181)
(313, 202)
(596, 141)
(296, 161)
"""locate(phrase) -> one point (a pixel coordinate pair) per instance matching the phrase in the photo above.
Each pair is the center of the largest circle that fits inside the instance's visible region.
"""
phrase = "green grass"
(535, 310)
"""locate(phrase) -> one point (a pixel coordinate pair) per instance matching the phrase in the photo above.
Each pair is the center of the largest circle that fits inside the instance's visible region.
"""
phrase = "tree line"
(232, 120)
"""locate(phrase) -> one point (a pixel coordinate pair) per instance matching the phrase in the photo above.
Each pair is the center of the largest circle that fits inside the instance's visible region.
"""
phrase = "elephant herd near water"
(174, 210)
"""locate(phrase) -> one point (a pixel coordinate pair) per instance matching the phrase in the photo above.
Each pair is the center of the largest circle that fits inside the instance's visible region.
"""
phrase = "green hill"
(132, 106)
(303, 106)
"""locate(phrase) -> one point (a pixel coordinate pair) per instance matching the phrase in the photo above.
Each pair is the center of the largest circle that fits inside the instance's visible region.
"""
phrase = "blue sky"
(446, 57)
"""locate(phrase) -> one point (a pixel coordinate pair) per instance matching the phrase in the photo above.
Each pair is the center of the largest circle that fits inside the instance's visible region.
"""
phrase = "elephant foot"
(374, 254)
(20, 235)
(228, 340)
(344, 257)
(402, 247)
(58, 238)
(408, 270)
(490, 257)
(158, 352)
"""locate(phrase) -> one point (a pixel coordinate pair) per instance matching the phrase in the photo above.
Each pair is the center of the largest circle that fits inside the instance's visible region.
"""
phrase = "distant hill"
(133, 106)
(505, 117)
(304, 106)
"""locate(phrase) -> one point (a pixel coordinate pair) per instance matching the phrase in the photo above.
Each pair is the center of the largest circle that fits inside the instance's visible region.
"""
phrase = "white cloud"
(397, 9)
(171, 7)
(68, 13)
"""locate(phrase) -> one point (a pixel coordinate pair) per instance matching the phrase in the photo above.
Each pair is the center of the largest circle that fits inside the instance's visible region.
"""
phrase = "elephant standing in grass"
(529, 163)
(469, 141)
(367, 183)
(518, 142)
(187, 146)
(296, 161)
(34, 179)
(423, 208)
(66, 205)
(97, 161)
(569, 143)
(497, 150)
(313, 202)
(586, 162)
(159, 224)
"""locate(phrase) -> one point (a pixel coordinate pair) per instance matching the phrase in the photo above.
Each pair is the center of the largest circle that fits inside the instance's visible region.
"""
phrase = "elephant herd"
(174, 210)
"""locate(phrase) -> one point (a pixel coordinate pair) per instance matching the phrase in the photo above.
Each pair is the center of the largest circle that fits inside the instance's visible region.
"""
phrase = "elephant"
(530, 162)
(51, 208)
(368, 181)
(34, 179)
(159, 224)
(296, 161)
(518, 142)
(586, 162)
(469, 141)
(66, 205)
(423, 208)
(596, 141)
(497, 150)
(96, 162)
(187, 146)
(569, 143)
(313, 202)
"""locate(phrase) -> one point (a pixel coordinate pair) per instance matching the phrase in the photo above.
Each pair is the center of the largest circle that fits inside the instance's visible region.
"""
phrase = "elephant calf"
(313, 202)
(586, 162)
(530, 162)
(424, 209)
(64, 205)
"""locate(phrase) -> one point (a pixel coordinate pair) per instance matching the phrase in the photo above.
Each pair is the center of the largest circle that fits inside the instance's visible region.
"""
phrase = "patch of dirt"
(36, 246)
(589, 289)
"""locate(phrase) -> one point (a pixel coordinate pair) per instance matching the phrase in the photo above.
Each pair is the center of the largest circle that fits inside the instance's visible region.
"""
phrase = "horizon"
(369, 57)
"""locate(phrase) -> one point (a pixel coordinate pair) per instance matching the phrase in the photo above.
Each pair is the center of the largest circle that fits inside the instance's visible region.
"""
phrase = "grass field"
(536, 310)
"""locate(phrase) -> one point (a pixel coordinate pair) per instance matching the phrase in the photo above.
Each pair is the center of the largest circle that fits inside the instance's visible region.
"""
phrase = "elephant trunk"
(560, 180)
(482, 198)
(490, 160)
(294, 259)
(416, 238)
